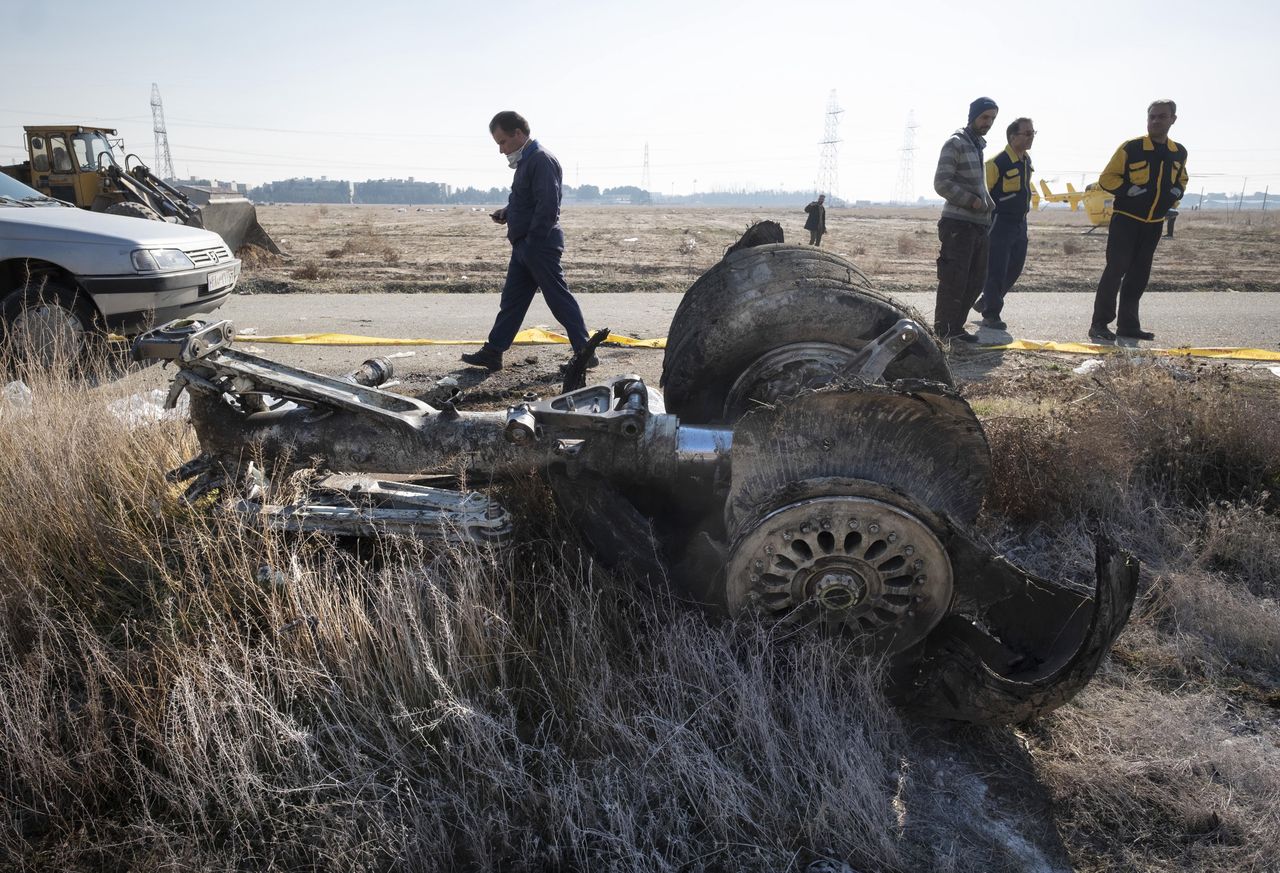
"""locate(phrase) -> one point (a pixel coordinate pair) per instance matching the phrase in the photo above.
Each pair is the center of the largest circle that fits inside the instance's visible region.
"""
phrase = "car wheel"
(46, 322)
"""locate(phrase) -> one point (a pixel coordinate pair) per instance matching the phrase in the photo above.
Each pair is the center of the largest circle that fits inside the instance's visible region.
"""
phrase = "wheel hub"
(47, 330)
(856, 564)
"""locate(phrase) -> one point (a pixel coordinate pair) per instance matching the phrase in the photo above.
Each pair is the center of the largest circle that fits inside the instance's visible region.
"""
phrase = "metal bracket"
(872, 359)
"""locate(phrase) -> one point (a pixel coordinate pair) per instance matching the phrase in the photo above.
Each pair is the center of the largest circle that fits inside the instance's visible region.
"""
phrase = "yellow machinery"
(1097, 202)
(85, 166)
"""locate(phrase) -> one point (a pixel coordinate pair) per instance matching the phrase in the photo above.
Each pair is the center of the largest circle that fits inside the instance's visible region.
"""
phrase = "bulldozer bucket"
(232, 217)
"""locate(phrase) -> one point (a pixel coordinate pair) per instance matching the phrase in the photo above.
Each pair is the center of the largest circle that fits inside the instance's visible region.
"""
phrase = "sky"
(722, 95)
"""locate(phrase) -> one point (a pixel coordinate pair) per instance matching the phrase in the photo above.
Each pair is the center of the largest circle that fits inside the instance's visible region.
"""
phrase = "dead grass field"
(454, 248)
(179, 691)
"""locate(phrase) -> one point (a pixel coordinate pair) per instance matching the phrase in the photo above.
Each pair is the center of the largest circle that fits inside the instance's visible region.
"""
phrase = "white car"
(67, 274)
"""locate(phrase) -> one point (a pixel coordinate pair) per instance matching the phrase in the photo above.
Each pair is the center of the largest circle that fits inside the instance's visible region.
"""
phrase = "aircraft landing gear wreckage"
(813, 465)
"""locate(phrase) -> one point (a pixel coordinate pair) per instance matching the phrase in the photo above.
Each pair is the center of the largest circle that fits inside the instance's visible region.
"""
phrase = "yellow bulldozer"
(87, 166)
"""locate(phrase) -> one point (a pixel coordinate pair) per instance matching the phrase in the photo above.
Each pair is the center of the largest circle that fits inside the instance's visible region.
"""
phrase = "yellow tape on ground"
(538, 336)
(1098, 349)
(531, 336)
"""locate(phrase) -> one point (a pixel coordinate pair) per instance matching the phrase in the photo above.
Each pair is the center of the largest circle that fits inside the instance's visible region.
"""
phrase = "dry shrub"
(907, 244)
(1072, 246)
(1147, 780)
(311, 271)
(1218, 619)
(1186, 434)
(366, 241)
(1243, 539)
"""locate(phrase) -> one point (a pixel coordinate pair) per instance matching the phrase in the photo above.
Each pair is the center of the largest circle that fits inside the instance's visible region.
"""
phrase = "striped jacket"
(960, 177)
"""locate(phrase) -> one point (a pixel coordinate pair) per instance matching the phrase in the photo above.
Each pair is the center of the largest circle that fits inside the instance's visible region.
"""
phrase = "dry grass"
(181, 690)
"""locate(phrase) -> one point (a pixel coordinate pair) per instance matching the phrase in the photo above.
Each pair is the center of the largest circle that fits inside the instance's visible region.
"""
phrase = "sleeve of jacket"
(546, 197)
(944, 179)
(993, 173)
(1112, 177)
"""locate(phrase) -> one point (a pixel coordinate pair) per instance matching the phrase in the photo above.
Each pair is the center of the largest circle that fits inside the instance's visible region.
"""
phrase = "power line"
(905, 190)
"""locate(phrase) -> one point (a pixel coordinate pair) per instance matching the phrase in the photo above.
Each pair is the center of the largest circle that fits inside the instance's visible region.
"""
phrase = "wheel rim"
(785, 372)
(853, 564)
(47, 331)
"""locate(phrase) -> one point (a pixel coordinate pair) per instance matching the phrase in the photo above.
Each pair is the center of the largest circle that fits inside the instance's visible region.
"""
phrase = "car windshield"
(13, 192)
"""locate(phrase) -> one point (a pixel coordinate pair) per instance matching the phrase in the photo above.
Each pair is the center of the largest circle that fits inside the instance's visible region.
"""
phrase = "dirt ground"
(356, 249)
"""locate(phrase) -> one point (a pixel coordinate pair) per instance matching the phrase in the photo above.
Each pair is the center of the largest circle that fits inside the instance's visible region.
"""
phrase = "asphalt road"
(1178, 319)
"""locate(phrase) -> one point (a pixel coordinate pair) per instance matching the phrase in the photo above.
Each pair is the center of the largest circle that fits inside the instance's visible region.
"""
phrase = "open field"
(182, 691)
(458, 249)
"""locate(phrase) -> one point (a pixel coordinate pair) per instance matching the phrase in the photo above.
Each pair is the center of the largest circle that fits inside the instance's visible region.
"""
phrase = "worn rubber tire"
(766, 297)
(133, 210)
(47, 322)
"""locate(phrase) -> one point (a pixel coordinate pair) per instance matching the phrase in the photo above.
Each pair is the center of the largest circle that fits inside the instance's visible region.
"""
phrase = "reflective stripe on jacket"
(1147, 178)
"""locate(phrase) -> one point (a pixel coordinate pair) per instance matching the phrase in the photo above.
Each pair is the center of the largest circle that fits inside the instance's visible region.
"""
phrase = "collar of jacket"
(1013, 156)
(1149, 146)
(530, 147)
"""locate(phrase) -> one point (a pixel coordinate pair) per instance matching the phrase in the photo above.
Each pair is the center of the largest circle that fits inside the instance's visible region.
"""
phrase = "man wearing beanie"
(966, 219)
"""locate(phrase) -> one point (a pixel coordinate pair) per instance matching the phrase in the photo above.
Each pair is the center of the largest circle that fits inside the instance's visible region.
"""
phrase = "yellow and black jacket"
(1147, 178)
(1009, 181)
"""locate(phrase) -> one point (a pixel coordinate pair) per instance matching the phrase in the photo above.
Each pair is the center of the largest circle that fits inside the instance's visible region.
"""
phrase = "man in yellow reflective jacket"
(1147, 176)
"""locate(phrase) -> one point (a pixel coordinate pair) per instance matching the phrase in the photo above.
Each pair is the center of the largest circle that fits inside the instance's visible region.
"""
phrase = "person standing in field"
(532, 217)
(816, 223)
(1147, 176)
(1008, 178)
(966, 218)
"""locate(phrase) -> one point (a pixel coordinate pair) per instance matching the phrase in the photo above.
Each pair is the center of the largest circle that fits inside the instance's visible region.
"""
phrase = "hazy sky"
(724, 94)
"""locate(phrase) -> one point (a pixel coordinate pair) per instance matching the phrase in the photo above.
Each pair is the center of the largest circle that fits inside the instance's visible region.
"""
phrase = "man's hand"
(499, 216)
(976, 203)
(1135, 190)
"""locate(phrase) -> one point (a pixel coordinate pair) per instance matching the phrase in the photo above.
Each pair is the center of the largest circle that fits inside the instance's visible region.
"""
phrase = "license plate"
(219, 279)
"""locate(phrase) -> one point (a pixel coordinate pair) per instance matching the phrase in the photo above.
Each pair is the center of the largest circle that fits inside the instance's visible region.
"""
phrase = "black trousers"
(1131, 246)
(533, 266)
(962, 269)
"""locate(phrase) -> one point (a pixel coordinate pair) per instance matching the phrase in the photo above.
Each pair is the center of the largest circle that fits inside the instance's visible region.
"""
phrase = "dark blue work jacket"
(533, 209)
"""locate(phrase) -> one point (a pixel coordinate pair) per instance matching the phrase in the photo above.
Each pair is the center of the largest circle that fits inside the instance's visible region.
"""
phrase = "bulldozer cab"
(65, 159)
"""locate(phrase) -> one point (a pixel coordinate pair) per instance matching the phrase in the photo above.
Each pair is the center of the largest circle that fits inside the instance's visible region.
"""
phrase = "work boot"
(1135, 333)
(486, 356)
(961, 336)
(993, 322)
(1101, 332)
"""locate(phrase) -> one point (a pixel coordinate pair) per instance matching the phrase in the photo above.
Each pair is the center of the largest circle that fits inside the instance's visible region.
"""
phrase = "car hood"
(82, 226)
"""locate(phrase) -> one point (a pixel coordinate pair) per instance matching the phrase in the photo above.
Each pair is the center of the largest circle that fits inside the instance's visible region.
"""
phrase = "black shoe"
(490, 359)
(961, 337)
(1135, 333)
(1101, 332)
(993, 322)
